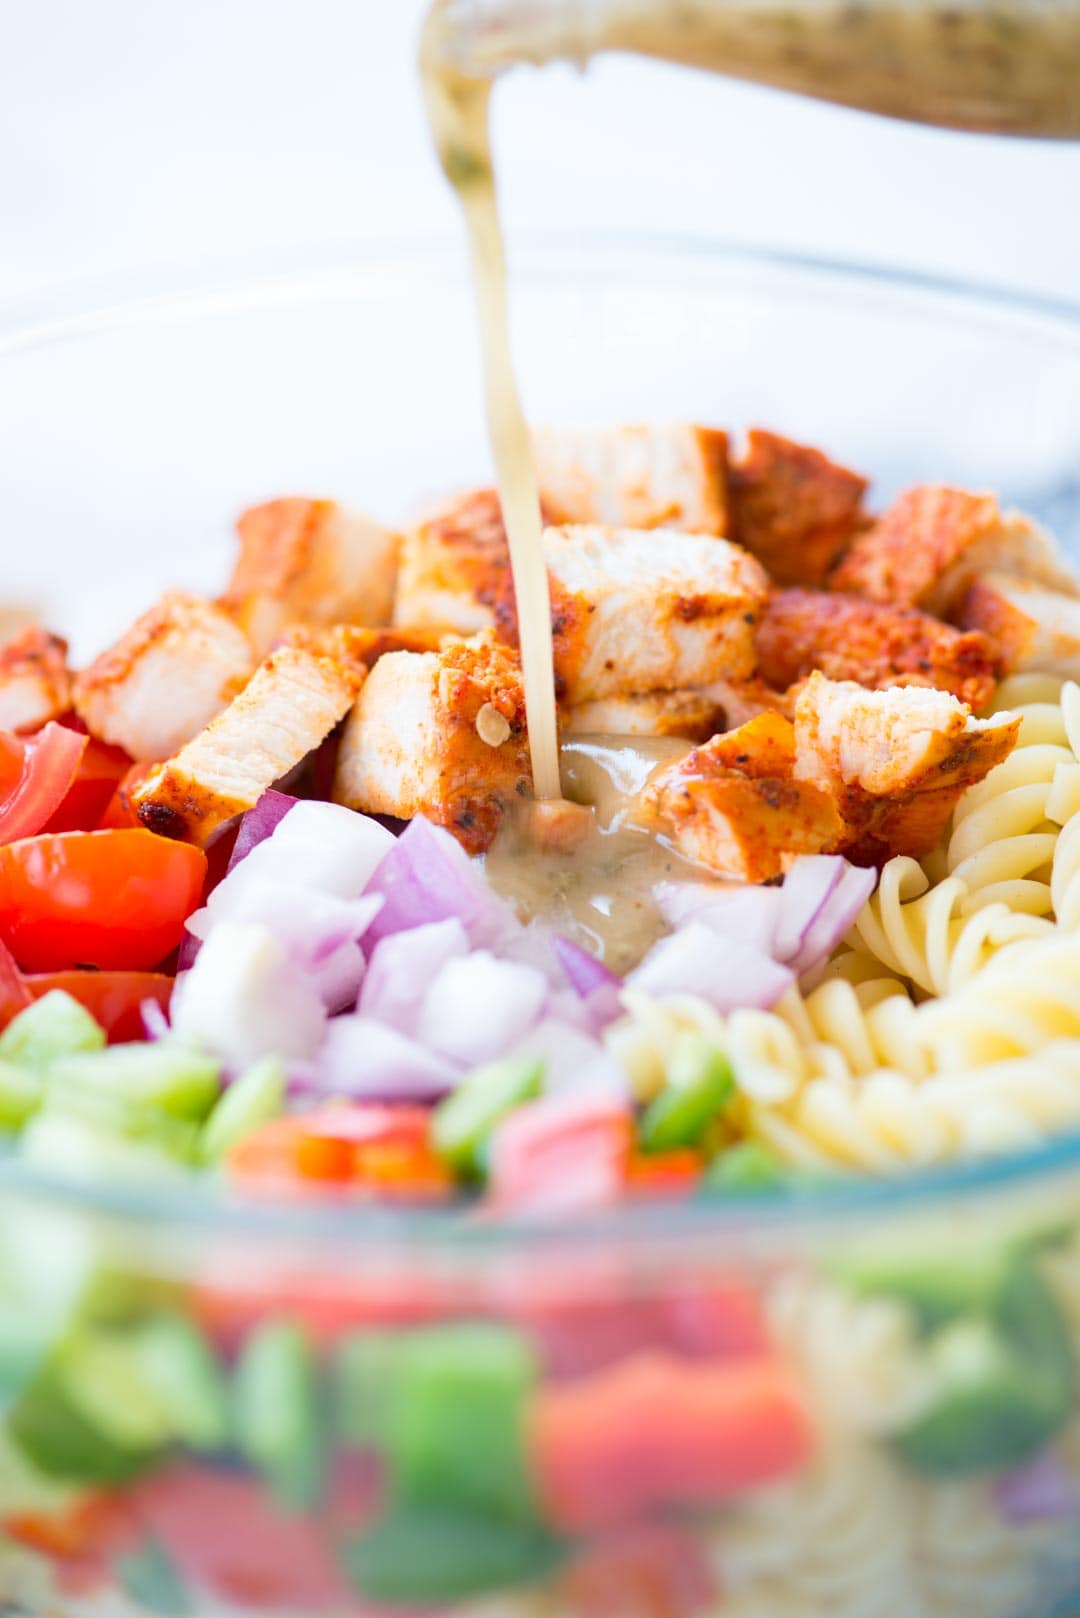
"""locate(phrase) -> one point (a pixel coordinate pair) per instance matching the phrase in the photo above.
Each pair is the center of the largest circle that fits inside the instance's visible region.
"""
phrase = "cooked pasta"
(933, 935)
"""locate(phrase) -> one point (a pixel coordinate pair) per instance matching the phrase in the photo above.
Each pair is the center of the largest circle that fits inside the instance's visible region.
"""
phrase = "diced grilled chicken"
(735, 806)
(174, 669)
(896, 760)
(696, 714)
(455, 569)
(655, 611)
(35, 685)
(933, 541)
(873, 644)
(348, 643)
(290, 705)
(312, 562)
(1033, 628)
(796, 510)
(671, 476)
(440, 734)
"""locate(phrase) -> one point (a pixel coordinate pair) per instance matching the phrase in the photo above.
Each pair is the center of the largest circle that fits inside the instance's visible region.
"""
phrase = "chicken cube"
(35, 685)
(440, 734)
(896, 760)
(291, 704)
(672, 476)
(735, 807)
(348, 643)
(933, 541)
(656, 611)
(695, 714)
(874, 644)
(1032, 628)
(455, 569)
(312, 562)
(165, 678)
(793, 508)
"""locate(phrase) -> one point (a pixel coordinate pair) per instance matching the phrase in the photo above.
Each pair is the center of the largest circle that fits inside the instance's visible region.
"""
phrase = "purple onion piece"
(584, 972)
(258, 824)
(427, 877)
(1042, 1491)
(835, 917)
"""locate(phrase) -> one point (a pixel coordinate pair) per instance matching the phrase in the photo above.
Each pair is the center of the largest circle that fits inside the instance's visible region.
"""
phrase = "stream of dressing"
(1011, 65)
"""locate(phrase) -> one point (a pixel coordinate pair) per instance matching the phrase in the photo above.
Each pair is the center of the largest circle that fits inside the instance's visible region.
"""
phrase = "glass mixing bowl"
(851, 1400)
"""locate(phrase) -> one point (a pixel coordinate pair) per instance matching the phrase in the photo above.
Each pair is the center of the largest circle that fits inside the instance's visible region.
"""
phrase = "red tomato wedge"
(383, 1150)
(657, 1430)
(113, 999)
(118, 813)
(111, 899)
(36, 774)
(100, 773)
(14, 995)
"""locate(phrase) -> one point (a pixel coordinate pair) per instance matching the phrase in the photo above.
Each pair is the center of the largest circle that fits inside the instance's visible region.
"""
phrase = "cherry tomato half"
(36, 774)
(100, 772)
(113, 999)
(100, 898)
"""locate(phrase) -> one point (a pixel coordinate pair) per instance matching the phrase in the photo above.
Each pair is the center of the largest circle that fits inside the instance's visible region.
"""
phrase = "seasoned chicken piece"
(672, 476)
(310, 561)
(1032, 628)
(796, 510)
(696, 714)
(35, 685)
(875, 645)
(897, 760)
(174, 669)
(440, 734)
(291, 704)
(933, 541)
(735, 806)
(347, 643)
(455, 569)
(655, 611)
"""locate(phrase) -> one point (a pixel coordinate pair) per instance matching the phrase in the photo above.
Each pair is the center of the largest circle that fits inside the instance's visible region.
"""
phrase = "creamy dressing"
(599, 887)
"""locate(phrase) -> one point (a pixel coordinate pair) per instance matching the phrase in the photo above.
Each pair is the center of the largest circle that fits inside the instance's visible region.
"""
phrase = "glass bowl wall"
(856, 1402)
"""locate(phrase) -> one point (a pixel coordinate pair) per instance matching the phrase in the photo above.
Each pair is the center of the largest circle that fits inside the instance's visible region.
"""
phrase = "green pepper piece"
(463, 1123)
(253, 1099)
(994, 1409)
(365, 1382)
(454, 1421)
(61, 1442)
(21, 1090)
(748, 1166)
(54, 1026)
(699, 1086)
(420, 1558)
(277, 1419)
(159, 1078)
(964, 1279)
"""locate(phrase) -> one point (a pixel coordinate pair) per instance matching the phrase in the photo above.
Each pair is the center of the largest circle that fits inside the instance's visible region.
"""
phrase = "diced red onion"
(316, 847)
(807, 886)
(565, 1050)
(427, 876)
(749, 913)
(1042, 1491)
(479, 1005)
(190, 946)
(835, 917)
(155, 1019)
(259, 823)
(584, 972)
(244, 999)
(698, 961)
(362, 1057)
(403, 966)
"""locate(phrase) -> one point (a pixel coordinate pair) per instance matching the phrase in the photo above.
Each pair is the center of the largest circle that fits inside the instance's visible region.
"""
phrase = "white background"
(143, 133)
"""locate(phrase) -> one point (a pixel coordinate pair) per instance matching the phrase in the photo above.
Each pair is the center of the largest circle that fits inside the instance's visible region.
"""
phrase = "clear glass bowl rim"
(75, 309)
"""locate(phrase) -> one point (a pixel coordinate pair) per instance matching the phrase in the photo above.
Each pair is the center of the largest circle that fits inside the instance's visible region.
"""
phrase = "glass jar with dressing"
(1008, 66)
